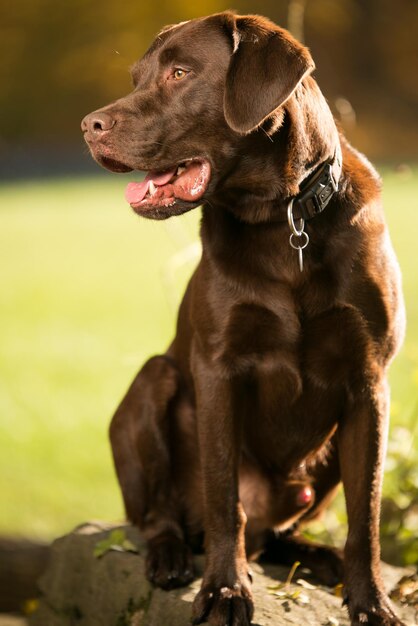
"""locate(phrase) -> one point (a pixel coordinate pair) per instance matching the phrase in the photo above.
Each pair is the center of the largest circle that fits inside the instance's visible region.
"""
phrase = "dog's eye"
(179, 74)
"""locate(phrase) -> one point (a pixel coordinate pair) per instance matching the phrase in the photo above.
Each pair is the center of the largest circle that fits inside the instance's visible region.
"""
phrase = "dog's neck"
(311, 139)
(285, 155)
(248, 222)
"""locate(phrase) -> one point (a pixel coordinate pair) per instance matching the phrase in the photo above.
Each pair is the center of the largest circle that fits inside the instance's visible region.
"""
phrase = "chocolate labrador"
(274, 388)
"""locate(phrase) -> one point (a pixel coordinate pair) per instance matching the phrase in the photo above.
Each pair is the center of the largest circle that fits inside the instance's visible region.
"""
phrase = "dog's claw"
(223, 606)
(375, 616)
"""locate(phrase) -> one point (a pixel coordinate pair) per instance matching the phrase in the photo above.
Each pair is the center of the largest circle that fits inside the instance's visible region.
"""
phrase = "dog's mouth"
(184, 183)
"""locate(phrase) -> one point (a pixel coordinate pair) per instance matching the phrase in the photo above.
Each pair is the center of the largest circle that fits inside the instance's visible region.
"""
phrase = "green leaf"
(115, 541)
(128, 546)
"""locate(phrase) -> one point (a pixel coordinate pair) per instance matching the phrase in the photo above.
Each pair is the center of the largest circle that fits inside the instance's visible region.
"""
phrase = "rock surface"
(80, 589)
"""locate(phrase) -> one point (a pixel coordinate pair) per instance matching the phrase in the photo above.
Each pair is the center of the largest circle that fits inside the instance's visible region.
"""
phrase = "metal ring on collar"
(291, 221)
(302, 246)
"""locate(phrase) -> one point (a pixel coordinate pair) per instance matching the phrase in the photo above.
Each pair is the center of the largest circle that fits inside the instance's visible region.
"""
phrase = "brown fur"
(276, 379)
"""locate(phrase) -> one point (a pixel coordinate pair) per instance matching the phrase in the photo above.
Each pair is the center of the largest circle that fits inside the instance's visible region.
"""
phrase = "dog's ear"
(266, 66)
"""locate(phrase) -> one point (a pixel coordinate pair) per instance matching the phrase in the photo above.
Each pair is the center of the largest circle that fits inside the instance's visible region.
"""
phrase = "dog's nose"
(97, 123)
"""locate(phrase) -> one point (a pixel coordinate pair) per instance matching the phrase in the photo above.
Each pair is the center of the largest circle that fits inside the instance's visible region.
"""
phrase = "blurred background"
(88, 291)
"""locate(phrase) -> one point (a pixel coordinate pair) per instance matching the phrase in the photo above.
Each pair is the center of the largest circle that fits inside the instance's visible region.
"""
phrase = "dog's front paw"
(223, 606)
(169, 562)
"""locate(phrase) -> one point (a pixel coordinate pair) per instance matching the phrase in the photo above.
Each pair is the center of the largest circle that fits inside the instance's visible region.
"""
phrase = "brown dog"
(274, 387)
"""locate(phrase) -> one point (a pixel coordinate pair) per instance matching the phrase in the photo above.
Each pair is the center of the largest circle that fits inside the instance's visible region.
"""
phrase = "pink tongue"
(135, 192)
(161, 178)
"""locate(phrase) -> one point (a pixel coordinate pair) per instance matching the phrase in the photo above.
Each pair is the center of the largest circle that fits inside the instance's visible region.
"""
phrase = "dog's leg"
(225, 597)
(139, 435)
(362, 445)
(325, 562)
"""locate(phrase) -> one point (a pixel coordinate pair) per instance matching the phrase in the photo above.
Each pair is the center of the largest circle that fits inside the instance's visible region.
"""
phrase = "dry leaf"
(304, 583)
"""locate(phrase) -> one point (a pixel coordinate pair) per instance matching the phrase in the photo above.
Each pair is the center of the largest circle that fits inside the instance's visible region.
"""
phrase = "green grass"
(88, 292)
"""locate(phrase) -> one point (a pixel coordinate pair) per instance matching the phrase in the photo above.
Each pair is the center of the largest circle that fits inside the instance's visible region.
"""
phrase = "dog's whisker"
(267, 135)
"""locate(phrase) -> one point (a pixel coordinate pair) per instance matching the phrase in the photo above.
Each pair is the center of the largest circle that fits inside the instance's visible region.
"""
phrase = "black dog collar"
(314, 196)
(316, 192)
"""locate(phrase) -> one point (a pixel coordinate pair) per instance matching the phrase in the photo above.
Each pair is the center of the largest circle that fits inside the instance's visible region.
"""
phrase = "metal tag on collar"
(298, 239)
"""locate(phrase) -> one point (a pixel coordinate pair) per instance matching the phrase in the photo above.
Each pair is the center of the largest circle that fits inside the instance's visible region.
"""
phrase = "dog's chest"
(291, 374)
(296, 351)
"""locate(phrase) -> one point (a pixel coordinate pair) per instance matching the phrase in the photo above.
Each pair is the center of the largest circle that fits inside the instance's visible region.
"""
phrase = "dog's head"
(200, 91)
